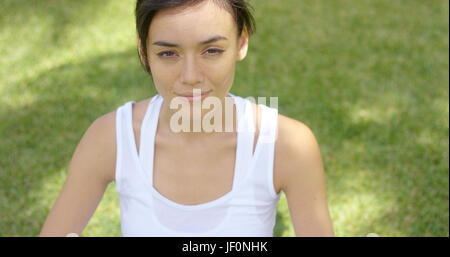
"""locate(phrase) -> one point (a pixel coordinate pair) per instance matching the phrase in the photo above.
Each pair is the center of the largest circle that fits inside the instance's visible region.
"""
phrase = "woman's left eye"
(214, 51)
(166, 54)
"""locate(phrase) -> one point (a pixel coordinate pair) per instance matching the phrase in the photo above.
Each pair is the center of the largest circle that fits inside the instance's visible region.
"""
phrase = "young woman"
(195, 183)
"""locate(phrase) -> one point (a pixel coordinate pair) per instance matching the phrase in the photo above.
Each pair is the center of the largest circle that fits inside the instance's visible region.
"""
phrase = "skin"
(298, 168)
(193, 65)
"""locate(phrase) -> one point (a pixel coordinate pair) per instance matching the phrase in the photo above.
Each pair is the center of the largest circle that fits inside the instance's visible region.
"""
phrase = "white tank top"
(249, 209)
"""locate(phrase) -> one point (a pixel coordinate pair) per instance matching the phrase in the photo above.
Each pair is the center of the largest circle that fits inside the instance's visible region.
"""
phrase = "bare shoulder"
(296, 147)
(298, 164)
(291, 132)
(90, 171)
(99, 142)
(100, 138)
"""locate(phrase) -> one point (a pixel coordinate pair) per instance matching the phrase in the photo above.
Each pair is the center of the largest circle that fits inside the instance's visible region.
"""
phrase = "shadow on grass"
(392, 181)
(61, 15)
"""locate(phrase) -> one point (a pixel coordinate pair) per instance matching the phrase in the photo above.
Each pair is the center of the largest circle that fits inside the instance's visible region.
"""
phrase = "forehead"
(192, 22)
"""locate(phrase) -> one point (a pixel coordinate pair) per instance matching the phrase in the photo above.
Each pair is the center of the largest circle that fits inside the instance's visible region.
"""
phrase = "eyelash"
(217, 52)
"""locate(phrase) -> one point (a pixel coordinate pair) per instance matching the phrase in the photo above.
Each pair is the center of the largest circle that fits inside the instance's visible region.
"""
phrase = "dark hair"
(147, 9)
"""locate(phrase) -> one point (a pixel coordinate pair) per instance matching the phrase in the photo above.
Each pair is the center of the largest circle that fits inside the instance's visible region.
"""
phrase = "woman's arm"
(302, 179)
(90, 171)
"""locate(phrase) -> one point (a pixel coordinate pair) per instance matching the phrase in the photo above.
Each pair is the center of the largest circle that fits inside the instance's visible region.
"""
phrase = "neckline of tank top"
(148, 150)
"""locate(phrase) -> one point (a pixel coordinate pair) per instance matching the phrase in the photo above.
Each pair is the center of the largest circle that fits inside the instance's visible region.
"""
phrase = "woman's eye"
(166, 54)
(170, 54)
(214, 51)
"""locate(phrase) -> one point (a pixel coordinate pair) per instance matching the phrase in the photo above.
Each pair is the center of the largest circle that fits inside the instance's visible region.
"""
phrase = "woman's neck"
(195, 127)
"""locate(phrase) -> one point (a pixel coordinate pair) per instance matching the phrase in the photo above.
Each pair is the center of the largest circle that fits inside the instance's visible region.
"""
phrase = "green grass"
(369, 77)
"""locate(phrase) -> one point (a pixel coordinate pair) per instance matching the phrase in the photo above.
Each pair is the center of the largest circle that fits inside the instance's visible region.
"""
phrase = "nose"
(191, 73)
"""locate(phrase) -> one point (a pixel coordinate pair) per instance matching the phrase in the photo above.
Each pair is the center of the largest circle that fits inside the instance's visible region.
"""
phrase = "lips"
(191, 95)
(191, 98)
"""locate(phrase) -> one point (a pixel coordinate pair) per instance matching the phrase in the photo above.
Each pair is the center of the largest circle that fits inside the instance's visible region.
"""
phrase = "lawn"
(369, 77)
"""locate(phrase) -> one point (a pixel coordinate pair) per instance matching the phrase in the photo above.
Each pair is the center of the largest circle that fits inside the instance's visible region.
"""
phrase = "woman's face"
(194, 48)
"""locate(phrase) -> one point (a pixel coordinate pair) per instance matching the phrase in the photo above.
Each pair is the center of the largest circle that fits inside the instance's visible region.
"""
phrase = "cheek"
(163, 76)
(220, 73)
(160, 69)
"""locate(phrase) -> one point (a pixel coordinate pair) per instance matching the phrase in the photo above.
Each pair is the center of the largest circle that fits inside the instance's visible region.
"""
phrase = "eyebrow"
(208, 41)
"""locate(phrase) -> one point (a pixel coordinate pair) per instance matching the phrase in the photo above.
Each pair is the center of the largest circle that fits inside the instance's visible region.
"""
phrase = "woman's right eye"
(166, 54)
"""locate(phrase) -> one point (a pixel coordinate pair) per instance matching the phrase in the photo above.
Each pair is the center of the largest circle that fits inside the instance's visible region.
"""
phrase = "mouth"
(190, 97)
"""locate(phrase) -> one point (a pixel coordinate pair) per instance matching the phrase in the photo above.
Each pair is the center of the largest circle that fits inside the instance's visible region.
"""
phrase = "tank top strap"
(265, 147)
(125, 146)
(245, 138)
(148, 132)
(269, 125)
(124, 121)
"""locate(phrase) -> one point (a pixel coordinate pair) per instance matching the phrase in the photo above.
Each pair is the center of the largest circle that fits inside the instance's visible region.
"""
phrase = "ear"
(141, 56)
(243, 45)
